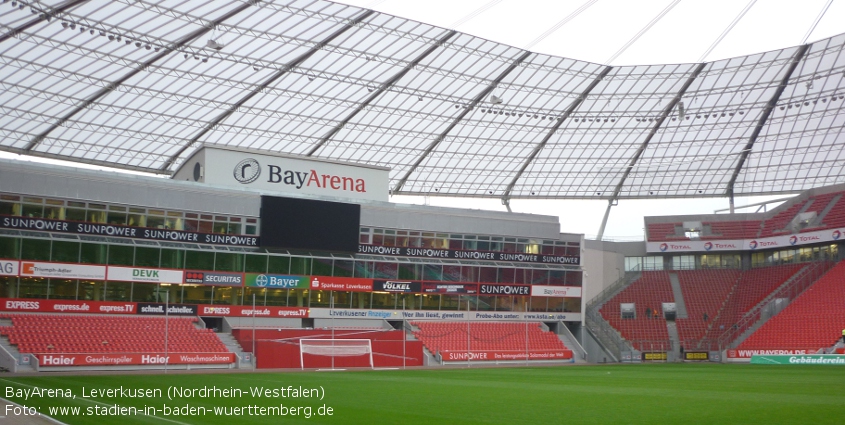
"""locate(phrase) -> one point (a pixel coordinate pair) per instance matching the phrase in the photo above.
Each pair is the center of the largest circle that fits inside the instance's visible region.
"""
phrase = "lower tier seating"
(486, 336)
(74, 333)
(814, 320)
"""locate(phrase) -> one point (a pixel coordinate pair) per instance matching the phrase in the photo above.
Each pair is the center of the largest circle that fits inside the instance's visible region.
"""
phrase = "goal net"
(335, 353)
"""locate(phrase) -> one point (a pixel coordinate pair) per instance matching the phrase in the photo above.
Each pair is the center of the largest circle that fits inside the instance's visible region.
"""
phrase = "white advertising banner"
(138, 274)
(556, 291)
(62, 271)
(9, 267)
(773, 242)
(493, 316)
(281, 174)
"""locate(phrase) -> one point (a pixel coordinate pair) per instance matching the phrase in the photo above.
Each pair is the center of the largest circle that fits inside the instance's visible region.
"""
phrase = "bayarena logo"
(261, 280)
(752, 244)
(247, 171)
(708, 246)
(793, 240)
(836, 234)
(664, 247)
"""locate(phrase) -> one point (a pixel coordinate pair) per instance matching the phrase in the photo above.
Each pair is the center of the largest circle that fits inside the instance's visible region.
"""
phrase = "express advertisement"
(474, 355)
(516, 257)
(62, 270)
(214, 278)
(404, 286)
(218, 310)
(276, 281)
(351, 284)
(9, 267)
(84, 228)
(137, 274)
(54, 360)
(556, 291)
(67, 306)
(450, 288)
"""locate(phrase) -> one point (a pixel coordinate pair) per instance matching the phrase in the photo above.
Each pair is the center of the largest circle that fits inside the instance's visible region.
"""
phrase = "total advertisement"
(276, 281)
(774, 242)
(283, 174)
(54, 360)
(136, 274)
(62, 270)
(351, 284)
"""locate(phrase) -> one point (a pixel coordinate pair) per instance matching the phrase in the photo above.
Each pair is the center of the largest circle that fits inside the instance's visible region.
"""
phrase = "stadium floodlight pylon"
(335, 348)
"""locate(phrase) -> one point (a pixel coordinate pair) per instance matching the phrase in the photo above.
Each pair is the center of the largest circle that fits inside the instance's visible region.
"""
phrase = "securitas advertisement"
(469, 255)
(276, 281)
(281, 174)
(81, 228)
(214, 278)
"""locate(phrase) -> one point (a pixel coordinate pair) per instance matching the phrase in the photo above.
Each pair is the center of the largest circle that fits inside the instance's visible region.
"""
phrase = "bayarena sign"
(285, 174)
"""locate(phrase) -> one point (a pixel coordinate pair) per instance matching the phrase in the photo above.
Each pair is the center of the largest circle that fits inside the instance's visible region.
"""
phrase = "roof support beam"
(398, 188)
(266, 83)
(381, 89)
(558, 123)
(149, 62)
(770, 106)
(665, 114)
(51, 13)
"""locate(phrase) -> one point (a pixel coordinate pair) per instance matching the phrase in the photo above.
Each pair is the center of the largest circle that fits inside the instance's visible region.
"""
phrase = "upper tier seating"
(778, 224)
(814, 320)
(74, 333)
(485, 336)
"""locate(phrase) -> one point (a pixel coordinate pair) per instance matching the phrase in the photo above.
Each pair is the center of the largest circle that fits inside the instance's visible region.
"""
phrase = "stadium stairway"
(232, 344)
(680, 305)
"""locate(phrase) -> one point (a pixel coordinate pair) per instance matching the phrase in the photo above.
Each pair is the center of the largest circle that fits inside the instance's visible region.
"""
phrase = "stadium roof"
(141, 85)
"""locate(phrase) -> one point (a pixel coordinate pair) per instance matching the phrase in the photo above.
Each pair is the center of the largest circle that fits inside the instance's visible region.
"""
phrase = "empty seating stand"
(812, 321)
(649, 292)
(487, 336)
(45, 334)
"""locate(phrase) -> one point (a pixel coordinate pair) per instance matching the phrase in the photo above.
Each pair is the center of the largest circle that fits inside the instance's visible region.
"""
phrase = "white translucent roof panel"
(143, 84)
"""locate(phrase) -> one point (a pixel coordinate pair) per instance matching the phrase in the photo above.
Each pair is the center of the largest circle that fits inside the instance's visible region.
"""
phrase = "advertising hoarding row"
(455, 254)
(38, 269)
(502, 355)
(774, 242)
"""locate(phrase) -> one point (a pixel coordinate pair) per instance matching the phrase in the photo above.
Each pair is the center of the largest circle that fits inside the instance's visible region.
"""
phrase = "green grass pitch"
(679, 394)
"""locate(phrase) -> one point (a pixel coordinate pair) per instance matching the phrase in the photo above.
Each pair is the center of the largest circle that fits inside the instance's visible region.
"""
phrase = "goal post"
(336, 348)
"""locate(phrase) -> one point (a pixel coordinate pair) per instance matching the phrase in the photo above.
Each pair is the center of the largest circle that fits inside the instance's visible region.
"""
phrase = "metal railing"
(788, 291)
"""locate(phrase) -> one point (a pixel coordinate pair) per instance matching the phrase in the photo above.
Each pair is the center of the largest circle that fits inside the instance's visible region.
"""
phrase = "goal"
(336, 352)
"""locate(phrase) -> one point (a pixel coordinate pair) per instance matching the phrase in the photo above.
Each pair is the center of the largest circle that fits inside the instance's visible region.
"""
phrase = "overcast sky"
(683, 34)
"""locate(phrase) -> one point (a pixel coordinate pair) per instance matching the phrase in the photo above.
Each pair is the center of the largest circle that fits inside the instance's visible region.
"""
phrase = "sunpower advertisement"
(286, 174)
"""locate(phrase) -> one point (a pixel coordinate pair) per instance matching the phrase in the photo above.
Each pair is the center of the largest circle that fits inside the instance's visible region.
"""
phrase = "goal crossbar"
(335, 348)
